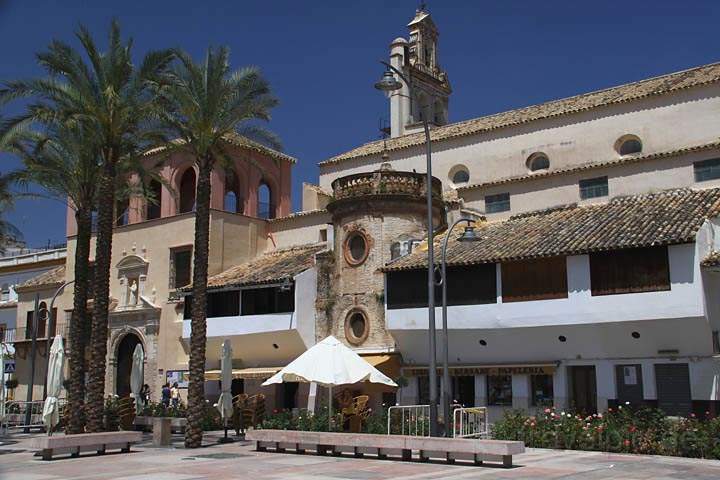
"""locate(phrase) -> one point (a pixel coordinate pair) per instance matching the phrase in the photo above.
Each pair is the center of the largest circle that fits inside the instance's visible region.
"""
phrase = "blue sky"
(321, 57)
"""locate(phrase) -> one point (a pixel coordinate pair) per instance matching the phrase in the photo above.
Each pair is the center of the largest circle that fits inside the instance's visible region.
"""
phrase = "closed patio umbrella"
(224, 404)
(137, 374)
(2, 382)
(51, 411)
(330, 363)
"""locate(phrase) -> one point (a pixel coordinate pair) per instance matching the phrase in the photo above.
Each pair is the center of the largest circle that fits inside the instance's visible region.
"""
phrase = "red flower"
(626, 443)
(632, 428)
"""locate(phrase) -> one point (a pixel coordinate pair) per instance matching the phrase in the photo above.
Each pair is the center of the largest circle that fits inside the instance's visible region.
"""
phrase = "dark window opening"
(233, 201)
(540, 279)
(630, 146)
(707, 170)
(497, 203)
(632, 270)
(594, 188)
(260, 301)
(541, 390)
(463, 390)
(424, 389)
(154, 206)
(181, 267)
(187, 191)
(219, 304)
(539, 162)
(499, 390)
(461, 176)
(716, 341)
(467, 285)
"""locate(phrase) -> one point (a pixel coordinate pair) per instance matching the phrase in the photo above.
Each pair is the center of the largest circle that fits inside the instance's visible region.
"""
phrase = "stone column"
(480, 390)
(521, 391)
(605, 382)
(560, 387)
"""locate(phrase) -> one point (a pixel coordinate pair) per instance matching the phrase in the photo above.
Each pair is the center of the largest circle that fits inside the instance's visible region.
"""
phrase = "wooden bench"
(449, 449)
(73, 444)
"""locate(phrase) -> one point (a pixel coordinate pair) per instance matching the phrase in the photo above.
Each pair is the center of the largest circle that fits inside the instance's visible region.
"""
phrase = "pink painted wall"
(252, 169)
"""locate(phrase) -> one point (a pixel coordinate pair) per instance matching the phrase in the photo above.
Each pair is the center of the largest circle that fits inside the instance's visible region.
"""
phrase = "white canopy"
(330, 363)
(51, 412)
(137, 373)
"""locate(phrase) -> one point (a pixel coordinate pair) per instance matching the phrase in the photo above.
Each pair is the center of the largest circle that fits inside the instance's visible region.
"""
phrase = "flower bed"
(625, 430)
(319, 422)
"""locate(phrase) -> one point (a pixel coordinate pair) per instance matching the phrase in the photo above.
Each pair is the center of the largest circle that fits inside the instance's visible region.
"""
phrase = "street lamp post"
(388, 84)
(468, 235)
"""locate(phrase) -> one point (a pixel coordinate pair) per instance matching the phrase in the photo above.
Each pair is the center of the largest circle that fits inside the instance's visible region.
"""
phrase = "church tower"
(417, 58)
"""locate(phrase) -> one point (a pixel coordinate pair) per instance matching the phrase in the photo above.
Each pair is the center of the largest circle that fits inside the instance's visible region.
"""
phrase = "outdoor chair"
(126, 413)
(356, 413)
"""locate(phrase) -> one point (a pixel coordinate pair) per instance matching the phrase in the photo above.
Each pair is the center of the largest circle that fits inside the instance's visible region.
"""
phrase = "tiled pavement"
(239, 460)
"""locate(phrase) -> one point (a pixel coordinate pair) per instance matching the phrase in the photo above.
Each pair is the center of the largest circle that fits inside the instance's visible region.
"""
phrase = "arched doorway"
(124, 364)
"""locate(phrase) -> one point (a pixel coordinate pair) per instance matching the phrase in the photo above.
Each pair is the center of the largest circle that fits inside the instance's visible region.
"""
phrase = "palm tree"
(203, 104)
(113, 100)
(63, 161)
(8, 232)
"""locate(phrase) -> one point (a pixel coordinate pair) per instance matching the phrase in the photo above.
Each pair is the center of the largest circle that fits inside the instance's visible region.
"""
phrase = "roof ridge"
(446, 131)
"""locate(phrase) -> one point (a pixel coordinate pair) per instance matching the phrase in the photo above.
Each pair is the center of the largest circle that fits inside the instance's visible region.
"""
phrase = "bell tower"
(417, 58)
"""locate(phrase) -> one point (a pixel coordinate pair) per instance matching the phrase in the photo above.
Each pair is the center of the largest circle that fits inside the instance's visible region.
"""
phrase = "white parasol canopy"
(137, 374)
(224, 404)
(51, 412)
(330, 363)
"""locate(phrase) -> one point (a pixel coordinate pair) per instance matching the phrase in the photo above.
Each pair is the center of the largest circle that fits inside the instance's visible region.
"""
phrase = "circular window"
(538, 161)
(459, 175)
(628, 145)
(356, 248)
(356, 327)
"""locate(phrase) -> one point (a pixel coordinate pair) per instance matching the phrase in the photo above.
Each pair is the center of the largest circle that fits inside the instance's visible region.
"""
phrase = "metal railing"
(413, 420)
(16, 410)
(470, 422)
(12, 335)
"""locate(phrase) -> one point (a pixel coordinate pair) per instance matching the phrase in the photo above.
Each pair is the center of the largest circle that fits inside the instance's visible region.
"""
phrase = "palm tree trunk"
(79, 323)
(99, 334)
(196, 388)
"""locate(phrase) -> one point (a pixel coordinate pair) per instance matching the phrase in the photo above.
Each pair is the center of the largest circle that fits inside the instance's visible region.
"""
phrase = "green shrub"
(623, 430)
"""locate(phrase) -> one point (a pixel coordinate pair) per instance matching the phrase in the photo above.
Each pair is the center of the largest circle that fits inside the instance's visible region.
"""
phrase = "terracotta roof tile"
(661, 85)
(56, 276)
(711, 260)
(269, 268)
(663, 218)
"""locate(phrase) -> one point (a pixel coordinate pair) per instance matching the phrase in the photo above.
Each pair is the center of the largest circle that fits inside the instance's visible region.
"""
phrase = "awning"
(257, 373)
(389, 364)
(460, 370)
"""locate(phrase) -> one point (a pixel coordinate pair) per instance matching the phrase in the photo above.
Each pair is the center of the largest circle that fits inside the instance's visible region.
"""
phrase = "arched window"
(538, 161)
(187, 191)
(628, 144)
(232, 202)
(122, 212)
(266, 209)
(459, 175)
(154, 206)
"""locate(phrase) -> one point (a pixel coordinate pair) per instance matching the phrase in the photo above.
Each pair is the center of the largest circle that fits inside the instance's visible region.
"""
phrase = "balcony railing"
(385, 182)
(12, 335)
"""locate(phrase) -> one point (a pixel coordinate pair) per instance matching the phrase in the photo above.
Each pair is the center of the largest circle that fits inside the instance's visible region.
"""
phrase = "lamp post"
(389, 84)
(469, 235)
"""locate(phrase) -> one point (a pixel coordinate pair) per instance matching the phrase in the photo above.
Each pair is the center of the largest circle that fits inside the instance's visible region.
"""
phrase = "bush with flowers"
(623, 429)
(319, 422)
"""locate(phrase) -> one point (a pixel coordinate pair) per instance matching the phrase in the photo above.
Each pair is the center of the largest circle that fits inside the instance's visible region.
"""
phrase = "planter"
(177, 424)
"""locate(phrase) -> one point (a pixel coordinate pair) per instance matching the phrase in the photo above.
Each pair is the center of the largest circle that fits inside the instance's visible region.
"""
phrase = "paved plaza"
(239, 460)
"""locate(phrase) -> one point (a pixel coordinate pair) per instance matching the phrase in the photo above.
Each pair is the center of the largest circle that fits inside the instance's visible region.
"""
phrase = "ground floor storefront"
(678, 386)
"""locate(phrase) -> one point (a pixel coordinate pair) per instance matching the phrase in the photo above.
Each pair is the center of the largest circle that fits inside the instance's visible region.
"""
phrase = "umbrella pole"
(330, 415)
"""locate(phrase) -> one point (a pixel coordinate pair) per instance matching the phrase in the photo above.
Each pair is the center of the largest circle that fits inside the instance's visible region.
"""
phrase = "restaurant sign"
(545, 369)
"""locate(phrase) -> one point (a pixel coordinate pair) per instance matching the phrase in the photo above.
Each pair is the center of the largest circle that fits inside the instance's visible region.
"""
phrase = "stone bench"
(449, 449)
(73, 444)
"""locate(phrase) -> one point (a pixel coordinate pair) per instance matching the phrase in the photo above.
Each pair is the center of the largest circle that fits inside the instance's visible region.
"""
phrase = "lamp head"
(469, 234)
(388, 83)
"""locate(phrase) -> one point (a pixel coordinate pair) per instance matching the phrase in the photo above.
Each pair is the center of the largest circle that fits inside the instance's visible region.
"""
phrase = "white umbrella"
(51, 412)
(137, 374)
(224, 404)
(330, 363)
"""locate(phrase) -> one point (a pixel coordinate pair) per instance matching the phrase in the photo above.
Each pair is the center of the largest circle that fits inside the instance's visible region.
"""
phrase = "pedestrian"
(166, 395)
(175, 395)
(145, 393)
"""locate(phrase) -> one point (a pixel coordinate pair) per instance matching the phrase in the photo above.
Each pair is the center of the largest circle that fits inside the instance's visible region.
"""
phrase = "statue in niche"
(133, 293)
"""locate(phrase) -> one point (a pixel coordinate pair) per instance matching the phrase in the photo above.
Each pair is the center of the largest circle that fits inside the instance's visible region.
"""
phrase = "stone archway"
(123, 355)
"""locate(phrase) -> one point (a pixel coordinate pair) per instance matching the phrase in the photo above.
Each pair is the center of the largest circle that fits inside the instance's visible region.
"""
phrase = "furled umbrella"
(56, 362)
(137, 375)
(2, 382)
(330, 363)
(224, 404)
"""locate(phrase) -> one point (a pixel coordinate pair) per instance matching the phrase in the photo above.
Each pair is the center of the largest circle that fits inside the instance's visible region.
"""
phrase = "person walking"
(175, 395)
(166, 395)
(145, 393)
